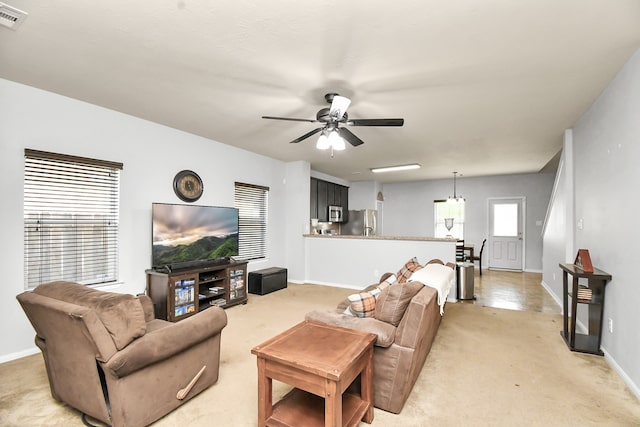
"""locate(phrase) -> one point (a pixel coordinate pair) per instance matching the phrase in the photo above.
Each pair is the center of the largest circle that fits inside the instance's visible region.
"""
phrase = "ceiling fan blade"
(375, 122)
(306, 135)
(290, 119)
(339, 106)
(349, 137)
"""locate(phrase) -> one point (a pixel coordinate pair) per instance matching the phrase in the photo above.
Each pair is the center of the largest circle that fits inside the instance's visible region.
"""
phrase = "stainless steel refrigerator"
(361, 223)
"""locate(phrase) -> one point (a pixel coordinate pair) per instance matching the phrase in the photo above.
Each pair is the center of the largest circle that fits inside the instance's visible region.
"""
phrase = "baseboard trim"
(612, 362)
(333, 285)
(555, 297)
(19, 354)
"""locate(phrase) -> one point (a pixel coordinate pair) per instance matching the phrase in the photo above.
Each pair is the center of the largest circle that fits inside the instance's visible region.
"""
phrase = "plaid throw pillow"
(389, 281)
(408, 269)
(364, 303)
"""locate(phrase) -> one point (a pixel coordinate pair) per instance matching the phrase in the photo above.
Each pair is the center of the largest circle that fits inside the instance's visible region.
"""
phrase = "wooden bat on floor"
(182, 393)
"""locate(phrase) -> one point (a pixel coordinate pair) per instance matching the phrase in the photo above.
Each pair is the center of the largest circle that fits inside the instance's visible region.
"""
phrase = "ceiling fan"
(332, 118)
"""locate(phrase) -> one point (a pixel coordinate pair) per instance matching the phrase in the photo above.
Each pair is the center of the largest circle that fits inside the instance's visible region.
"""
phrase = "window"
(449, 218)
(505, 219)
(71, 207)
(252, 203)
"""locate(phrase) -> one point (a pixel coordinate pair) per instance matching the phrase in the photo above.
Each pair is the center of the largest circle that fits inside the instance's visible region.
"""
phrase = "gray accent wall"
(605, 157)
(408, 208)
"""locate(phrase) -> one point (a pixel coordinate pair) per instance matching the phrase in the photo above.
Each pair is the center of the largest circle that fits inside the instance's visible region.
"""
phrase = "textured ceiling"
(485, 87)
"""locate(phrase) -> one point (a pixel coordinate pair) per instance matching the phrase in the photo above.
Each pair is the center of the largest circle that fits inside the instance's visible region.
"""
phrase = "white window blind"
(252, 203)
(71, 209)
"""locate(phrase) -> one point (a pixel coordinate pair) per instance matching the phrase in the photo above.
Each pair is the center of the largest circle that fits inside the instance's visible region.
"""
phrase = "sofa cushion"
(385, 333)
(407, 270)
(393, 301)
(121, 314)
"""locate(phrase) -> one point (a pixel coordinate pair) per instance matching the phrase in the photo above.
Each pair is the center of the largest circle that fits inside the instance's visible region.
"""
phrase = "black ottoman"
(267, 280)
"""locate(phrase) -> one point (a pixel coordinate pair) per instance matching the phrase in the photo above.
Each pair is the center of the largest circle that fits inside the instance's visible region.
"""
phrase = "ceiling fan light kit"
(323, 142)
(333, 136)
(396, 168)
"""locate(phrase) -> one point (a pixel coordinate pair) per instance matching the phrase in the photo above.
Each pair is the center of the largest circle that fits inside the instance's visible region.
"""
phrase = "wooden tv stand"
(181, 293)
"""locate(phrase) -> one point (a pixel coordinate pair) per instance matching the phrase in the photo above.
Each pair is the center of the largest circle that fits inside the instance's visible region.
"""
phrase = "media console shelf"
(592, 294)
(179, 294)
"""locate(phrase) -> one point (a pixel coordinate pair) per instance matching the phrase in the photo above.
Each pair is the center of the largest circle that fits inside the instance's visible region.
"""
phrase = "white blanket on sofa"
(437, 276)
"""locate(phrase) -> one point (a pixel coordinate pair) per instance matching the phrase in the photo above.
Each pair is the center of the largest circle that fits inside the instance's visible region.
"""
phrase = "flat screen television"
(187, 234)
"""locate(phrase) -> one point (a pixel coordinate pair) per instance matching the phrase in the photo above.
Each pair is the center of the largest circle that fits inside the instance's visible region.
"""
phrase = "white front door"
(506, 219)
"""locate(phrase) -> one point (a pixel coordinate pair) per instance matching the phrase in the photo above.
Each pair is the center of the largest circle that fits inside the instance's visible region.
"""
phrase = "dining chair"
(460, 251)
(479, 257)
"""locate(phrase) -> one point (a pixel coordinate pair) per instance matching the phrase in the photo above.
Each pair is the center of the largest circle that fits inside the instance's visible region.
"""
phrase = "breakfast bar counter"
(413, 239)
(358, 261)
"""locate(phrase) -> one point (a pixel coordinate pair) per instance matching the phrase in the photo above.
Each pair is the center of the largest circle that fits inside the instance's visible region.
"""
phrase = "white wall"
(152, 154)
(298, 221)
(363, 195)
(558, 235)
(607, 154)
(408, 207)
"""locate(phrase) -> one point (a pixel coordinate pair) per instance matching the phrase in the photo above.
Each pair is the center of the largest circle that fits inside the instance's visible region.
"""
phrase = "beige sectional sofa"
(406, 318)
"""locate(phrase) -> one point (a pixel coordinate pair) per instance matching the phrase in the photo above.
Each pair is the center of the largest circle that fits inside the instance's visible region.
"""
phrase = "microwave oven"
(335, 213)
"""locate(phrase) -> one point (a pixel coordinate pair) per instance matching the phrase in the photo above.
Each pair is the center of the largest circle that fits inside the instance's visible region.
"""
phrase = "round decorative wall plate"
(188, 186)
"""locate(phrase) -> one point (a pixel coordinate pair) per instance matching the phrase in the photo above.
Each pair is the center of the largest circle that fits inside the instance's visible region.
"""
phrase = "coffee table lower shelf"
(300, 408)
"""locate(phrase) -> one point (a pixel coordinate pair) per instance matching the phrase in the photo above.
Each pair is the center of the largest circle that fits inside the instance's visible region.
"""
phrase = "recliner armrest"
(166, 342)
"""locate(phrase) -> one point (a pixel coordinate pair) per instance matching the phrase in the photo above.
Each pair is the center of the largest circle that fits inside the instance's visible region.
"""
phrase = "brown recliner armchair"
(108, 357)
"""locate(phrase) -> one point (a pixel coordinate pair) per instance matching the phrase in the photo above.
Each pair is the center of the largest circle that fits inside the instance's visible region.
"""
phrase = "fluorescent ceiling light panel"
(396, 168)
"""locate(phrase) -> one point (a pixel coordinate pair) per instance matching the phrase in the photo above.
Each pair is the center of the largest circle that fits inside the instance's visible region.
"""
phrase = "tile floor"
(512, 290)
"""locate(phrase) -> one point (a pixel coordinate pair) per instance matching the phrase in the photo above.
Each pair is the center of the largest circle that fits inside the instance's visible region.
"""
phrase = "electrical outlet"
(610, 325)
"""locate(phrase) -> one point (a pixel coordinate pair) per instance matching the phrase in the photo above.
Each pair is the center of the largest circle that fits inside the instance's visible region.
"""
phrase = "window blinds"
(71, 208)
(252, 203)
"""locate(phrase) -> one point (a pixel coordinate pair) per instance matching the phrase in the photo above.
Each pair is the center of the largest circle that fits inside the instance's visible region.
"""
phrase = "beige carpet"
(488, 367)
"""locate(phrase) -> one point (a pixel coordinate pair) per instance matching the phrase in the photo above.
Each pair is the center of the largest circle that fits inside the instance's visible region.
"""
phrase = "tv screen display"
(188, 233)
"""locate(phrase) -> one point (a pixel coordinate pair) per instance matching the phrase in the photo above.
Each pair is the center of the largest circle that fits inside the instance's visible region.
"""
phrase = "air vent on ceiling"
(11, 17)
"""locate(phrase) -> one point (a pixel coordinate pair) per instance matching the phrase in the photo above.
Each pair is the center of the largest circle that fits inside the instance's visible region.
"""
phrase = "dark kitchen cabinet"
(325, 194)
(323, 202)
(314, 199)
(331, 195)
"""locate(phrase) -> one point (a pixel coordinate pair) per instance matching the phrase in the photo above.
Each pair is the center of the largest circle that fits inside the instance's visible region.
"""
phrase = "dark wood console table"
(591, 294)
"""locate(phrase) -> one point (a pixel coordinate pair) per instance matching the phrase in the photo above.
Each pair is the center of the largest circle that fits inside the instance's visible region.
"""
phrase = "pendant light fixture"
(455, 198)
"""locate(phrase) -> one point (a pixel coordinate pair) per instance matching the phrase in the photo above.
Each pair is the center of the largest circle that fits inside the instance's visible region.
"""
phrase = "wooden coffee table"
(320, 361)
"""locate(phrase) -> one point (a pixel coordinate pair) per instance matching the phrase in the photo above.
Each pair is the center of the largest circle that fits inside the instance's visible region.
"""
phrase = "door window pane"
(505, 219)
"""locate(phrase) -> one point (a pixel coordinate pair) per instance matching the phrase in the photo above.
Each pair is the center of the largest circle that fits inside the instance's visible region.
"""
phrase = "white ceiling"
(485, 87)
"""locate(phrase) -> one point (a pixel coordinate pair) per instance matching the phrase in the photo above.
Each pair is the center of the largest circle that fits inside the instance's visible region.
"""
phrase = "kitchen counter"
(347, 236)
(358, 261)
